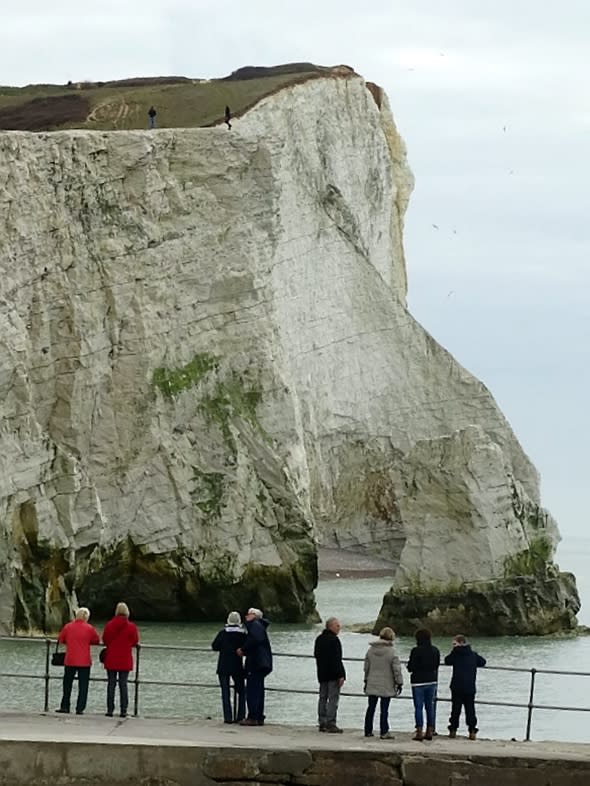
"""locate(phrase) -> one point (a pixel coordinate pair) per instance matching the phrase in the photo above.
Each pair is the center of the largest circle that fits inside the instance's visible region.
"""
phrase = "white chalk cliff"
(206, 363)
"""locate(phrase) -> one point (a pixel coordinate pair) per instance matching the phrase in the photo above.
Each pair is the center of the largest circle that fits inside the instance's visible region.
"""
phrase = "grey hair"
(330, 620)
(83, 614)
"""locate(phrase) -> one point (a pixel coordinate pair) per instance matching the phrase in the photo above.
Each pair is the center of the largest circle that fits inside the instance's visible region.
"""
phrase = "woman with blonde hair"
(119, 638)
(383, 681)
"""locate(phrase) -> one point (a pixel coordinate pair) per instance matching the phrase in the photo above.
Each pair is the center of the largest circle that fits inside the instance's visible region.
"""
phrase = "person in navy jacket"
(231, 665)
(465, 663)
(258, 654)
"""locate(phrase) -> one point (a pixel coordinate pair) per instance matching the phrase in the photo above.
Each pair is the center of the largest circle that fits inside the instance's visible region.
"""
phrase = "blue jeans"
(424, 696)
(383, 714)
(226, 698)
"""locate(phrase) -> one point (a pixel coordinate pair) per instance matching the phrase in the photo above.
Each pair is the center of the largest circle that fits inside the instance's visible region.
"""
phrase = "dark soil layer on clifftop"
(520, 606)
(180, 102)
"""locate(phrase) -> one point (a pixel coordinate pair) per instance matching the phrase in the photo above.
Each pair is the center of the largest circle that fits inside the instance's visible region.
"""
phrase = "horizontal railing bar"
(299, 655)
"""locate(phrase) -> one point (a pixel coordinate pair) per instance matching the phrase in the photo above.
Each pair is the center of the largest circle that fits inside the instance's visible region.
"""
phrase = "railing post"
(530, 706)
(235, 710)
(136, 687)
(47, 659)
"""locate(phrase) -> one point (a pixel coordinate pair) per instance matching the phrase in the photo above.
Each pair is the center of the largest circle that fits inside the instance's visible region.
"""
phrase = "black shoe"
(228, 721)
(333, 729)
(79, 712)
(108, 714)
(64, 712)
(123, 715)
(321, 727)
(369, 734)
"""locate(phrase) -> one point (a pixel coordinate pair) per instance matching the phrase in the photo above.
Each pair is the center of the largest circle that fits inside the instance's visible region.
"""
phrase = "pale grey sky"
(492, 98)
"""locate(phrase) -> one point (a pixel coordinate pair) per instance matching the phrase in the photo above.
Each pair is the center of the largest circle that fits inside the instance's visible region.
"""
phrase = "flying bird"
(435, 226)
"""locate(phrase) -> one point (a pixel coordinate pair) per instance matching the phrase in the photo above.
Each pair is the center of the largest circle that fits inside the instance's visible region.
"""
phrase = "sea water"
(353, 601)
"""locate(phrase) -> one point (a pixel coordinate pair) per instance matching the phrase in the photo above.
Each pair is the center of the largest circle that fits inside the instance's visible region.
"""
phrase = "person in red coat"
(77, 635)
(119, 637)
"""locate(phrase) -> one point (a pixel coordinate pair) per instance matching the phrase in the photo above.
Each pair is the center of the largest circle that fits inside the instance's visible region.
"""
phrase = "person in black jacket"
(258, 654)
(423, 667)
(327, 652)
(229, 664)
(465, 663)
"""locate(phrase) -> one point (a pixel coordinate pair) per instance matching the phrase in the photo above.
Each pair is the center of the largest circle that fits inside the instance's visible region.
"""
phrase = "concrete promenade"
(38, 750)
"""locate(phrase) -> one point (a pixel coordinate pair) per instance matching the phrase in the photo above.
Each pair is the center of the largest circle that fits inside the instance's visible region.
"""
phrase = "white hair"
(83, 614)
(256, 613)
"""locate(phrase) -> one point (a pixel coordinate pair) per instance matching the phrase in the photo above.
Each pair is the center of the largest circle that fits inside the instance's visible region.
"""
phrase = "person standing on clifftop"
(227, 118)
(327, 652)
(231, 665)
(258, 654)
(465, 663)
(152, 117)
(77, 635)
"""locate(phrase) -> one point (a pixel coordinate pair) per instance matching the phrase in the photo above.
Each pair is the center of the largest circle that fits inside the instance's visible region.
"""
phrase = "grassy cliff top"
(179, 101)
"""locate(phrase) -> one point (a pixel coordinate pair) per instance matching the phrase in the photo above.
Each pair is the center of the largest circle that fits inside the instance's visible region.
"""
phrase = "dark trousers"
(458, 701)
(83, 682)
(112, 678)
(383, 714)
(255, 695)
(226, 698)
(329, 696)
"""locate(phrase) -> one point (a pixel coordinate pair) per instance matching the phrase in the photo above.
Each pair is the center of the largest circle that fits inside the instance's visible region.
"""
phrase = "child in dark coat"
(230, 664)
(465, 663)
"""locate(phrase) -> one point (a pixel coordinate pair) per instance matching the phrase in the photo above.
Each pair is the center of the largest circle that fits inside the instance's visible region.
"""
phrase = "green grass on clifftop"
(123, 105)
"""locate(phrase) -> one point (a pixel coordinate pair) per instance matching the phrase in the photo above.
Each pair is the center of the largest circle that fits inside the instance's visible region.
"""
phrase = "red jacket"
(78, 636)
(119, 637)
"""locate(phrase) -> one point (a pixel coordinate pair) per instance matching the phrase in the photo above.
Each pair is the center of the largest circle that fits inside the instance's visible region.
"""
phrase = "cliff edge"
(207, 365)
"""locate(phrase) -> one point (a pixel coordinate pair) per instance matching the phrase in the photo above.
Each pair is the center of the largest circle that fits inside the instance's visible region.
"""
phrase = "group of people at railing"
(119, 637)
(245, 659)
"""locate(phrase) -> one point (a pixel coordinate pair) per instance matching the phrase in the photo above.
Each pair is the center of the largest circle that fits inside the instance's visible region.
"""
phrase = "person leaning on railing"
(120, 636)
(77, 635)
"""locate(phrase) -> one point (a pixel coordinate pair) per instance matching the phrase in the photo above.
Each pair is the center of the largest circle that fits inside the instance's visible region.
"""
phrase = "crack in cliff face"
(207, 365)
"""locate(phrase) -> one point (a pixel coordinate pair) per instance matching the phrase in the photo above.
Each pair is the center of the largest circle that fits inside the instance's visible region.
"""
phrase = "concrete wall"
(26, 763)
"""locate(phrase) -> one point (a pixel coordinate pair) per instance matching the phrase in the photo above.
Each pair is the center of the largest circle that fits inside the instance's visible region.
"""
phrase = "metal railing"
(53, 673)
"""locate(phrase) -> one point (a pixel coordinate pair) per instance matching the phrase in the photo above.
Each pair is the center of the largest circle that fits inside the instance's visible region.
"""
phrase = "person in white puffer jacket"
(383, 681)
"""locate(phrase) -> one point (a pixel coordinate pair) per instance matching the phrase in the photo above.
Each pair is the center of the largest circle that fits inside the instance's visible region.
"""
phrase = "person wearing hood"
(258, 654)
(327, 652)
(383, 681)
(229, 664)
(119, 636)
(423, 667)
(465, 663)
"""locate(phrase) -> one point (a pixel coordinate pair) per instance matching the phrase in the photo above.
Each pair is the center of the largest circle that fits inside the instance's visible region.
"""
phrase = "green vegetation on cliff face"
(103, 106)
(171, 382)
(531, 561)
(222, 399)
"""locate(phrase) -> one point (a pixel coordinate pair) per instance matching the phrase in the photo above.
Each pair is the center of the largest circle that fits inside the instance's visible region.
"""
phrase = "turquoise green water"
(353, 601)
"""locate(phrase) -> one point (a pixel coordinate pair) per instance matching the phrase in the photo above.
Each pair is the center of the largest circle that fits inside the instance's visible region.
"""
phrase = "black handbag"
(102, 655)
(58, 658)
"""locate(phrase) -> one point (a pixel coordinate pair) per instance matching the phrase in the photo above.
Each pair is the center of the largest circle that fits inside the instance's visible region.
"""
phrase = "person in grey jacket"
(383, 681)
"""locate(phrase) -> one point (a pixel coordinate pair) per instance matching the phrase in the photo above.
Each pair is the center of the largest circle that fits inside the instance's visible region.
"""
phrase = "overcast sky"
(492, 98)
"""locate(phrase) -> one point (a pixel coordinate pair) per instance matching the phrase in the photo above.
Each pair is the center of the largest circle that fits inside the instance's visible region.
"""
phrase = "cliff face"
(206, 361)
